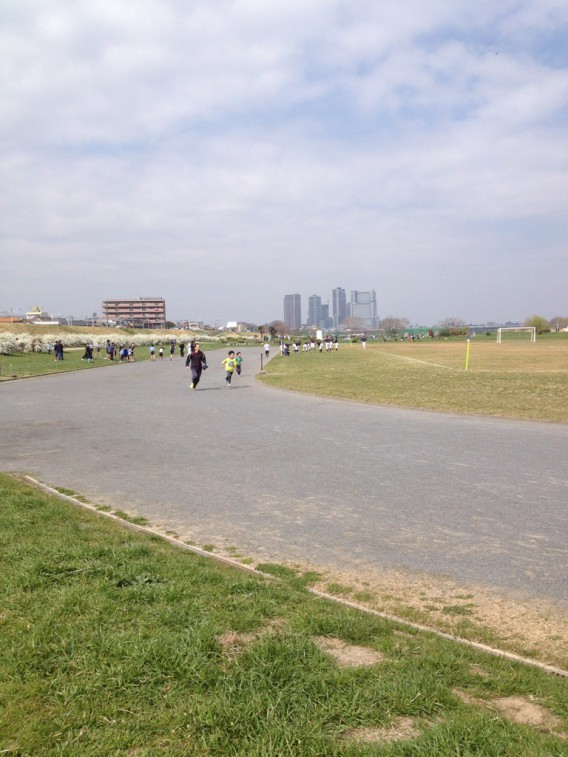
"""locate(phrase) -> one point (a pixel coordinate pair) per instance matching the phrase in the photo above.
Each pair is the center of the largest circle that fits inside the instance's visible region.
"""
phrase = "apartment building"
(144, 312)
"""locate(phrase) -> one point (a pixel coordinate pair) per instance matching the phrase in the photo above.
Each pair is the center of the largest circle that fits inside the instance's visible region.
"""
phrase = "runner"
(198, 363)
(229, 364)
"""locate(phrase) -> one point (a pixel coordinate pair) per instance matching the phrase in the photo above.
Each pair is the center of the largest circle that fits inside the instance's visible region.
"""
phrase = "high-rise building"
(144, 312)
(339, 306)
(314, 311)
(293, 311)
(326, 321)
(363, 305)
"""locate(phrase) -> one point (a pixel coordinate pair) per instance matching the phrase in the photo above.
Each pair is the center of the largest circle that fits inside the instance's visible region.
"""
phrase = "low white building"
(38, 316)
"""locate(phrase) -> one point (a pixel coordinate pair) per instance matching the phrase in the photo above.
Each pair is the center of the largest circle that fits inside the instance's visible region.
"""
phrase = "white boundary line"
(416, 360)
(319, 594)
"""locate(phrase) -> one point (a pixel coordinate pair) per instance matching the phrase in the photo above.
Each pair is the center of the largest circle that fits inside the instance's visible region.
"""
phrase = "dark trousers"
(196, 375)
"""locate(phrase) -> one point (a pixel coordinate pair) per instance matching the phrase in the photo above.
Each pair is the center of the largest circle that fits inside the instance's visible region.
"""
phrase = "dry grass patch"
(401, 729)
(529, 627)
(233, 643)
(548, 354)
(521, 710)
(348, 655)
(519, 380)
(528, 712)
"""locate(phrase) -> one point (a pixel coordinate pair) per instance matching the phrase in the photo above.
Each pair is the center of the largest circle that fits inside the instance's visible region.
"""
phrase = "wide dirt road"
(292, 477)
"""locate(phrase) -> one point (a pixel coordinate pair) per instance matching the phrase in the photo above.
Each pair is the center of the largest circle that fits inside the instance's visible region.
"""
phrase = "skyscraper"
(339, 306)
(314, 311)
(364, 306)
(293, 311)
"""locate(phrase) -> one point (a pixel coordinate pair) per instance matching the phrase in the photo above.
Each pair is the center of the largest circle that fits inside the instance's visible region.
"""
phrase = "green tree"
(539, 322)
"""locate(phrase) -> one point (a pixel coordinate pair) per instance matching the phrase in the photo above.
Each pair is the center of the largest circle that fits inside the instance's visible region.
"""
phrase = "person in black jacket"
(198, 363)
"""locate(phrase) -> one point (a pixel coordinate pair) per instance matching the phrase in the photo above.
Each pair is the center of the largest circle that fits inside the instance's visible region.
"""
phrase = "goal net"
(519, 329)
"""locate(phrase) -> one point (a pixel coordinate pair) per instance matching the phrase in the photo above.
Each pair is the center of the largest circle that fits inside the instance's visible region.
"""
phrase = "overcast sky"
(224, 153)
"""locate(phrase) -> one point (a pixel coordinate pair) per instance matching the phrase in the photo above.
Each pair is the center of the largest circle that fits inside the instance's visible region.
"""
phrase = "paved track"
(289, 476)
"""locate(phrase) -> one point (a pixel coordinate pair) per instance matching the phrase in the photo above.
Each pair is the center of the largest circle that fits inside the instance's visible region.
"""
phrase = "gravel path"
(293, 477)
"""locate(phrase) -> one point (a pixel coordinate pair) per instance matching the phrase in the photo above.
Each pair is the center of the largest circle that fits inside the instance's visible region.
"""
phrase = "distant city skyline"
(362, 305)
(294, 305)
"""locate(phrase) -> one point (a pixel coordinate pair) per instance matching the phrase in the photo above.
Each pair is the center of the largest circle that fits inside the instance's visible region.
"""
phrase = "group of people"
(88, 357)
(125, 352)
(331, 344)
(57, 349)
(197, 361)
(160, 350)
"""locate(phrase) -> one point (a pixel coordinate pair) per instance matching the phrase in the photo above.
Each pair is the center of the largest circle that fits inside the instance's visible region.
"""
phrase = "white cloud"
(316, 144)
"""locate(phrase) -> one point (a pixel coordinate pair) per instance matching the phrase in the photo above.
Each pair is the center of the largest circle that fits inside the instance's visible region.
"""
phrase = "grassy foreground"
(114, 642)
(515, 379)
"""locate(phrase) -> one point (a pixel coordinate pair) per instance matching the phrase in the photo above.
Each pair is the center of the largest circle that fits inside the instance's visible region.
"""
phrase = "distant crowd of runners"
(330, 344)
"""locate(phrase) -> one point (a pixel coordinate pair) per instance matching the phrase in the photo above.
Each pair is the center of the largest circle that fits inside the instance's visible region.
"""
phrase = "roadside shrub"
(8, 344)
(12, 343)
(453, 331)
(25, 343)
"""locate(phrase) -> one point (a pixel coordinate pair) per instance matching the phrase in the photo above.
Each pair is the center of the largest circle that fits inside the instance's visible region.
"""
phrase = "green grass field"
(25, 364)
(114, 642)
(515, 379)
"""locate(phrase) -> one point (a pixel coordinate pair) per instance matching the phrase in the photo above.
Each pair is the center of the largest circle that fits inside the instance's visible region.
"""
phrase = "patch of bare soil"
(402, 729)
(233, 643)
(347, 655)
(523, 710)
(529, 627)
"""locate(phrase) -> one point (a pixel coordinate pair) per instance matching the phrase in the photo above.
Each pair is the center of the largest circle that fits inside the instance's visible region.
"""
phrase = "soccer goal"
(530, 329)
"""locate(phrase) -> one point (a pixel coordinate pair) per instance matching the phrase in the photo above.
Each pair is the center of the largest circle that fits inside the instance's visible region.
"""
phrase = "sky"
(224, 153)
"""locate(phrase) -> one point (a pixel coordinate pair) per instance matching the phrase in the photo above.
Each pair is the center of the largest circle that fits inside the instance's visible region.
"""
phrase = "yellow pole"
(467, 355)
